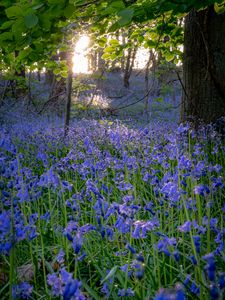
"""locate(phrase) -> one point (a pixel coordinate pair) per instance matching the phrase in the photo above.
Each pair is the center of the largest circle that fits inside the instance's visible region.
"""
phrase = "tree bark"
(129, 66)
(204, 66)
(69, 82)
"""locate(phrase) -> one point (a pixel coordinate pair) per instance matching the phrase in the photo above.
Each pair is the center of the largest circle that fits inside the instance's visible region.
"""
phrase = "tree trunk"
(204, 66)
(129, 66)
(69, 82)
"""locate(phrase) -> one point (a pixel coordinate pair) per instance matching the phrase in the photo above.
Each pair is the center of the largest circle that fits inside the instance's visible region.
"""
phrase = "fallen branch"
(49, 100)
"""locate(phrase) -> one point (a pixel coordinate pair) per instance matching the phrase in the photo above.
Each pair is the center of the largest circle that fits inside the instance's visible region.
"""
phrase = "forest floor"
(122, 207)
(99, 96)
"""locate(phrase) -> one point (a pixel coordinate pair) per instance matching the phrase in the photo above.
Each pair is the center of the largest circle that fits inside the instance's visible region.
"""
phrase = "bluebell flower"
(32, 233)
(202, 190)
(66, 186)
(105, 289)
(211, 266)
(139, 273)
(214, 292)
(140, 257)
(176, 256)
(163, 244)
(169, 294)
(126, 293)
(46, 216)
(213, 223)
(124, 268)
(81, 258)
(65, 276)
(56, 284)
(77, 243)
(197, 243)
(130, 248)
(123, 225)
(195, 289)
(221, 281)
(125, 186)
(60, 258)
(22, 291)
(186, 227)
(23, 194)
(72, 291)
(137, 230)
(193, 260)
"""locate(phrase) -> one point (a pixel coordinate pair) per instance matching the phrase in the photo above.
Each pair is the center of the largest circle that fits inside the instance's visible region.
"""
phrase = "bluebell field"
(112, 212)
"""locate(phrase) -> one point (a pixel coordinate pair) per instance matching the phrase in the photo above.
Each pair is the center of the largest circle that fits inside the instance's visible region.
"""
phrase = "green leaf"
(45, 23)
(6, 36)
(110, 274)
(31, 20)
(57, 71)
(219, 8)
(109, 49)
(126, 16)
(169, 56)
(64, 74)
(114, 43)
(68, 11)
(38, 6)
(24, 54)
(18, 28)
(102, 41)
(7, 24)
(114, 27)
(14, 12)
(114, 7)
(106, 56)
(150, 44)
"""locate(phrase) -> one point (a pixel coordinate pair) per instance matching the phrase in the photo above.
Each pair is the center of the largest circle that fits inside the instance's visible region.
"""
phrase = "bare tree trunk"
(49, 77)
(151, 65)
(204, 66)
(69, 82)
(129, 66)
(39, 75)
(29, 89)
(147, 69)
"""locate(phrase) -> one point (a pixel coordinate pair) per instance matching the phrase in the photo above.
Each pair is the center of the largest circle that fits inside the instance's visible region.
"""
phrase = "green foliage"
(31, 20)
(125, 16)
(36, 29)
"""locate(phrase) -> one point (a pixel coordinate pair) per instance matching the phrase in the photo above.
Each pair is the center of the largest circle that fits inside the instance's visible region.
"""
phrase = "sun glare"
(80, 60)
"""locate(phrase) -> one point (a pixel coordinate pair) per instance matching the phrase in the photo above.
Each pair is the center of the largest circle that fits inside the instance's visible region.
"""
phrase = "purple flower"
(22, 291)
(105, 289)
(202, 190)
(211, 266)
(214, 292)
(221, 281)
(60, 257)
(77, 243)
(130, 248)
(197, 243)
(126, 293)
(72, 291)
(65, 276)
(125, 186)
(186, 227)
(56, 284)
(166, 294)
(124, 268)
